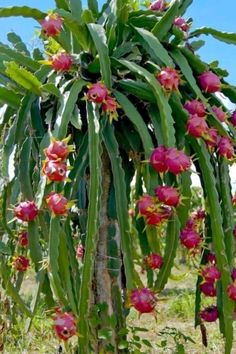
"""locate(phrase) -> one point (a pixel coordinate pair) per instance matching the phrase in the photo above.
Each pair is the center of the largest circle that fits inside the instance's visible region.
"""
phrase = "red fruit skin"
(220, 114)
(190, 238)
(143, 300)
(231, 291)
(212, 138)
(51, 25)
(211, 273)
(211, 258)
(26, 211)
(159, 5)
(57, 150)
(64, 325)
(157, 159)
(21, 263)
(200, 214)
(55, 170)
(195, 107)
(209, 82)
(61, 62)
(154, 261)
(196, 126)
(146, 205)
(177, 161)
(162, 214)
(169, 79)
(208, 289)
(191, 224)
(225, 147)
(80, 252)
(234, 199)
(181, 24)
(23, 239)
(209, 314)
(233, 119)
(97, 93)
(233, 274)
(109, 105)
(57, 203)
(168, 195)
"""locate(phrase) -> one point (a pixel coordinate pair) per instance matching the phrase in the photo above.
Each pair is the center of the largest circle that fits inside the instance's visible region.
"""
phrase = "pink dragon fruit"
(146, 204)
(61, 62)
(168, 195)
(181, 24)
(153, 261)
(231, 291)
(190, 238)
(51, 25)
(209, 82)
(80, 252)
(197, 126)
(97, 93)
(199, 214)
(158, 159)
(211, 273)
(64, 324)
(211, 138)
(211, 258)
(233, 274)
(177, 161)
(58, 150)
(21, 263)
(169, 79)
(26, 211)
(110, 107)
(143, 300)
(57, 203)
(23, 239)
(158, 5)
(55, 170)
(208, 289)
(209, 314)
(233, 118)
(225, 147)
(162, 214)
(220, 114)
(195, 107)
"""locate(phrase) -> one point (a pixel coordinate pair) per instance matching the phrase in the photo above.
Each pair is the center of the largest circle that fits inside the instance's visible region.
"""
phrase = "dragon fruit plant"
(117, 98)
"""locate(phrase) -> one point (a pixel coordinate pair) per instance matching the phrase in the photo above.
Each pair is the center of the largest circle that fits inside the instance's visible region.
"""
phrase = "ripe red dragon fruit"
(197, 126)
(158, 159)
(208, 289)
(209, 314)
(97, 93)
(190, 238)
(58, 150)
(233, 274)
(177, 161)
(209, 82)
(51, 25)
(211, 273)
(162, 214)
(159, 5)
(231, 291)
(26, 211)
(211, 258)
(195, 107)
(21, 263)
(199, 215)
(168, 195)
(61, 62)
(57, 203)
(233, 119)
(220, 114)
(64, 325)
(191, 224)
(154, 261)
(55, 170)
(110, 107)
(146, 204)
(143, 300)
(225, 147)
(80, 252)
(169, 79)
(23, 239)
(181, 24)
(211, 138)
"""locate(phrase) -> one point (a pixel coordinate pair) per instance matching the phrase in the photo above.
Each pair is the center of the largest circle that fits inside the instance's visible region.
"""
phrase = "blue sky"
(209, 13)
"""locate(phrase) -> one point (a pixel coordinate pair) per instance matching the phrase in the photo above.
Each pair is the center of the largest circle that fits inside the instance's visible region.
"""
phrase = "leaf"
(34, 245)
(93, 6)
(138, 89)
(18, 44)
(4, 249)
(167, 123)
(23, 11)
(76, 8)
(68, 101)
(121, 201)
(9, 97)
(227, 37)
(62, 4)
(154, 47)
(100, 41)
(172, 238)
(23, 77)
(92, 221)
(24, 169)
(184, 6)
(18, 57)
(50, 88)
(161, 29)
